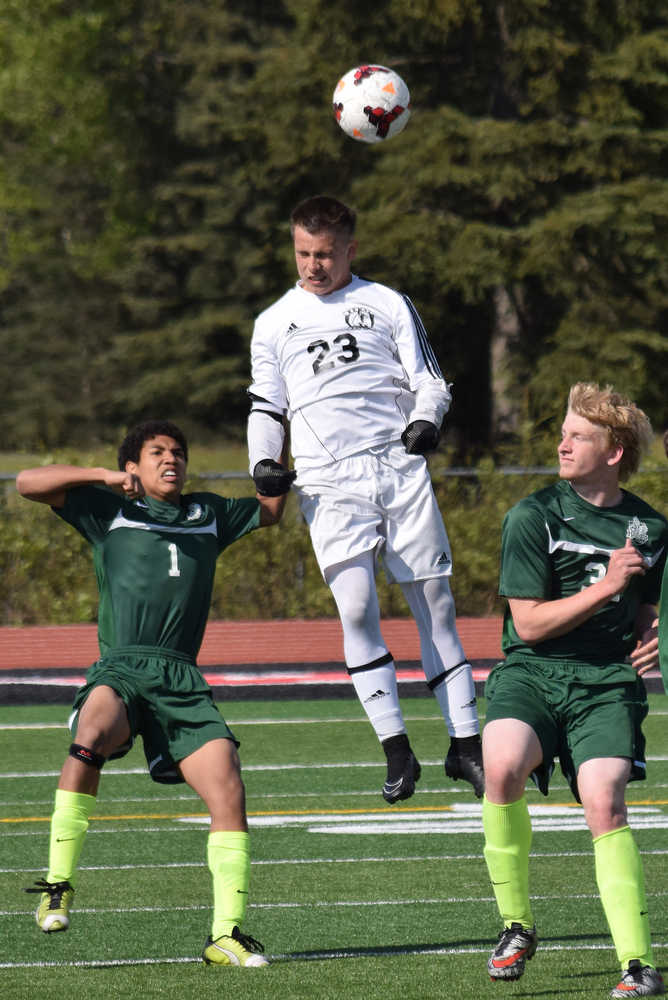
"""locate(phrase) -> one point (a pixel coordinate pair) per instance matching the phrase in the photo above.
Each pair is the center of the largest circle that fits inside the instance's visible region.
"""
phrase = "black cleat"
(516, 946)
(464, 761)
(403, 769)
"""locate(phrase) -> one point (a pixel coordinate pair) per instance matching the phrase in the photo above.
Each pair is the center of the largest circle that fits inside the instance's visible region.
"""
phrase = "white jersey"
(350, 369)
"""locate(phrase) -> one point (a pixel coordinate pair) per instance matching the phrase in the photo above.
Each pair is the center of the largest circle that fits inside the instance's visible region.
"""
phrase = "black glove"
(271, 479)
(420, 436)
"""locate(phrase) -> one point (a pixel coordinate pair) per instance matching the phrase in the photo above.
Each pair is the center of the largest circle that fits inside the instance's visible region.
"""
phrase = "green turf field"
(352, 898)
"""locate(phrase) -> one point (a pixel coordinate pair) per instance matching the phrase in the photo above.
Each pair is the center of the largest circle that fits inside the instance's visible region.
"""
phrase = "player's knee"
(505, 774)
(87, 756)
(356, 619)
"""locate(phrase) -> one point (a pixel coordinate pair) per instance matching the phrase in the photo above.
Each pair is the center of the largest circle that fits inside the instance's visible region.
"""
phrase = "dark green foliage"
(151, 153)
(46, 573)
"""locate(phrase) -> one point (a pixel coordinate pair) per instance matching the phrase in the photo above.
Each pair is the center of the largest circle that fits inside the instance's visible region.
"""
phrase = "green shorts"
(169, 704)
(579, 712)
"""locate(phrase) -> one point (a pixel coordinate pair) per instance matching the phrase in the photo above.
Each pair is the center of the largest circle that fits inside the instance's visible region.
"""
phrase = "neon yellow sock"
(69, 824)
(507, 844)
(621, 883)
(228, 854)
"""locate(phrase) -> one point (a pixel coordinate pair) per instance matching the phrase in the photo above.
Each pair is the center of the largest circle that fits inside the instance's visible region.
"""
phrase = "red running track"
(227, 643)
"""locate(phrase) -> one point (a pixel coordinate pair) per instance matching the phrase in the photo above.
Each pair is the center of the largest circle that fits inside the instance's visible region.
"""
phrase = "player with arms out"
(581, 566)
(348, 362)
(155, 552)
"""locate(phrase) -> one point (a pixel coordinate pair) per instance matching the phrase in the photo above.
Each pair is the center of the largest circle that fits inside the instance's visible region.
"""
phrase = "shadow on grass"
(471, 946)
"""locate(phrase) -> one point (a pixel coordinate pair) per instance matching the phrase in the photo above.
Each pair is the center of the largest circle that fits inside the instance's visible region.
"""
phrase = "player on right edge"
(581, 566)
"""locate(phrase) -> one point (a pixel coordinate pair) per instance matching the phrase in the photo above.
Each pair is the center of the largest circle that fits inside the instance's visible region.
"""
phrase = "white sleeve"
(432, 392)
(265, 436)
(267, 382)
(432, 402)
(265, 430)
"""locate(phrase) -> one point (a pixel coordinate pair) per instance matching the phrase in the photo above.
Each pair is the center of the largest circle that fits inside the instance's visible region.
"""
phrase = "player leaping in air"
(348, 363)
(155, 553)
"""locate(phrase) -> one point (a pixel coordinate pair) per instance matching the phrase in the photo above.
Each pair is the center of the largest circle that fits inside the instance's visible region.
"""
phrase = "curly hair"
(626, 424)
(132, 444)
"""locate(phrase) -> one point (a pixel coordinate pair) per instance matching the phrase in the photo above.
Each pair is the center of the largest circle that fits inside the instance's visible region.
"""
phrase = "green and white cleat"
(52, 914)
(234, 949)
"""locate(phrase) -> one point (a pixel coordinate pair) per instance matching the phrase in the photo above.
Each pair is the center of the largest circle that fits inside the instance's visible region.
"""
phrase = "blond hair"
(626, 424)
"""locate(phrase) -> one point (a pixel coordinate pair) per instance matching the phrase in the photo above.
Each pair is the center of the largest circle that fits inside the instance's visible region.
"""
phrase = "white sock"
(369, 663)
(376, 687)
(444, 662)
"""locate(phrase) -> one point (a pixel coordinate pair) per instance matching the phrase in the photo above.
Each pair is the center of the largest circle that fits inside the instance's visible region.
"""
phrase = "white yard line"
(309, 956)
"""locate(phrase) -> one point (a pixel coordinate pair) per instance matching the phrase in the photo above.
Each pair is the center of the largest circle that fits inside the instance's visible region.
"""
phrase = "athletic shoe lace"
(54, 889)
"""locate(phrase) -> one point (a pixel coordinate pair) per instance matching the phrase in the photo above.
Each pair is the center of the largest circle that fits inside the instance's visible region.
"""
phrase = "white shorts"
(379, 499)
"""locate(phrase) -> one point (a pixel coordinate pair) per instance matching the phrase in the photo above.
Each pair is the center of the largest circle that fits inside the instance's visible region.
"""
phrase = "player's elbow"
(527, 633)
(24, 485)
(528, 627)
(532, 634)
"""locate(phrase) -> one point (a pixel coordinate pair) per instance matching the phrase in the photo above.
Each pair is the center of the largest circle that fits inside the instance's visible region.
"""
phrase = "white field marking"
(309, 956)
(322, 904)
(330, 793)
(423, 827)
(193, 797)
(115, 772)
(318, 861)
(457, 818)
(296, 721)
(449, 789)
(246, 722)
(10, 726)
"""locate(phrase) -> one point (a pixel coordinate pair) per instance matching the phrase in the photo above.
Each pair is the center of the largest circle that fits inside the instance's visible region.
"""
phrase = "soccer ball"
(371, 103)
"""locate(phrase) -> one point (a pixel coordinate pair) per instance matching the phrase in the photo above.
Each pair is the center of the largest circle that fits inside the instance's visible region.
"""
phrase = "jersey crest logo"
(637, 531)
(194, 512)
(359, 317)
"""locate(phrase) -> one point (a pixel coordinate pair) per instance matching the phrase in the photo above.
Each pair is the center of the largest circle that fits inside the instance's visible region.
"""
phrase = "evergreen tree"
(152, 153)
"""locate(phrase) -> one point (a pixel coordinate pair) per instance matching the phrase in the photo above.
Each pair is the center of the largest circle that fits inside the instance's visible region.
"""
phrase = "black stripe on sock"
(380, 662)
(435, 681)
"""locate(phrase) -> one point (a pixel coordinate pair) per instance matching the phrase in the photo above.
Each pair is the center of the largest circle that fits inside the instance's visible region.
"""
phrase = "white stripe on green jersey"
(155, 562)
(554, 544)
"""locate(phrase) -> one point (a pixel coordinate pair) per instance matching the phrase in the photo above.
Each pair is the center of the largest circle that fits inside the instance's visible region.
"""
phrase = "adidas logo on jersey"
(443, 559)
(292, 328)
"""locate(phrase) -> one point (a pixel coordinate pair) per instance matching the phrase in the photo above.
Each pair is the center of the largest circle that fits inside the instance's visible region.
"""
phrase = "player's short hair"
(133, 442)
(322, 212)
(626, 424)
(665, 442)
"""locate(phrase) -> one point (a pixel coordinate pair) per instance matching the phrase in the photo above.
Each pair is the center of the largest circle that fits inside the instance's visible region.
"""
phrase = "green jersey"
(155, 562)
(555, 544)
(663, 630)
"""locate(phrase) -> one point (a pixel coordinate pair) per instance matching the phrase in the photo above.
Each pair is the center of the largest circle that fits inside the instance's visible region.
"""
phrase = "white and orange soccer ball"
(371, 103)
